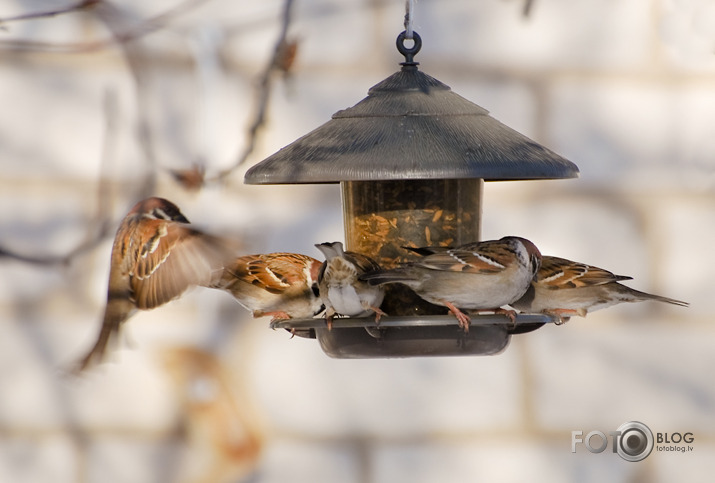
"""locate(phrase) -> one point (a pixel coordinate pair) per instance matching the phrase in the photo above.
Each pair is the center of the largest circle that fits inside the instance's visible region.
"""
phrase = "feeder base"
(361, 338)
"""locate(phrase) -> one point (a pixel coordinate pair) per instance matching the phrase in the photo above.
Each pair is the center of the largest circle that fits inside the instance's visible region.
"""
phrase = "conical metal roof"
(411, 126)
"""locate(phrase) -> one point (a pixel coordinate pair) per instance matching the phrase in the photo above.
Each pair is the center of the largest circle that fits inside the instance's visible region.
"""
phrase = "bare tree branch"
(50, 13)
(123, 35)
(115, 20)
(126, 34)
(528, 5)
(99, 227)
(263, 91)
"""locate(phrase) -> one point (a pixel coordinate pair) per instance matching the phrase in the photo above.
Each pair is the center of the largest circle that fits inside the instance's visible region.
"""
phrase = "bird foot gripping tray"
(411, 160)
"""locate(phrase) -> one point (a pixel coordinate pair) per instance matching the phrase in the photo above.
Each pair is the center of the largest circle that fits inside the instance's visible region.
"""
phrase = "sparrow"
(482, 276)
(341, 290)
(564, 288)
(156, 256)
(281, 285)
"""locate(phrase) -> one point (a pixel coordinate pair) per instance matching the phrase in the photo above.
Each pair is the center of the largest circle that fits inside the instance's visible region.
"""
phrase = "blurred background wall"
(105, 105)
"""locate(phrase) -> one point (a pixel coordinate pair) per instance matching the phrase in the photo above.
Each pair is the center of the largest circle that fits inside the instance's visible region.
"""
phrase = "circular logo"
(635, 441)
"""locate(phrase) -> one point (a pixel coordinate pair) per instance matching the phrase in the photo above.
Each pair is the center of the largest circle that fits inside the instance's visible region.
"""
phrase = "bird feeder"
(411, 159)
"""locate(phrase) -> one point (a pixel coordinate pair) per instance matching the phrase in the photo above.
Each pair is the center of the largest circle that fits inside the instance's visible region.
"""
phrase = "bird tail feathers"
(649, 296)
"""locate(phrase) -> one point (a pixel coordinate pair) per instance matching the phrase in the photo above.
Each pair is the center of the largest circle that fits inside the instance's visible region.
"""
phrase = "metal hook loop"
(410, 52)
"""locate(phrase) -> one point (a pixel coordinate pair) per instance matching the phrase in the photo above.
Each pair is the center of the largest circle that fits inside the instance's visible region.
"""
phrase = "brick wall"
(198, 391)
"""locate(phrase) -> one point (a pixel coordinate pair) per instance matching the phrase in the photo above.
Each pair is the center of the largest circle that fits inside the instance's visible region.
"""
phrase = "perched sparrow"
(156, 256)
(282, 285)
(481, 276)
(564, 288)
(341, 290)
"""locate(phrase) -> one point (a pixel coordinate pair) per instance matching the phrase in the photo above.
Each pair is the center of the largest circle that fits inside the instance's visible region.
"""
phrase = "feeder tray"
(411, 159)
(437, 335)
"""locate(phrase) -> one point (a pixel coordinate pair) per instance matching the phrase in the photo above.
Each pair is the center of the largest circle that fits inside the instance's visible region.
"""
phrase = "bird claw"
(378, 314)
(509, 314)
(464, 323)
(563, 315)
(462, 318)
(275, 321)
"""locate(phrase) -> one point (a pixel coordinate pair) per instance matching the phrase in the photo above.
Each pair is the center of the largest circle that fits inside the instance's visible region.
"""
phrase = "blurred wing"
(558, 273)
(172, 257)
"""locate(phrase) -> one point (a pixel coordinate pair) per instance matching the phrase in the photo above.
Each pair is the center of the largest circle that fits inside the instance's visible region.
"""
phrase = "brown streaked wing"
(273, 272)
(171, 257)
(480, 257)
(363, 263)
(558, 273)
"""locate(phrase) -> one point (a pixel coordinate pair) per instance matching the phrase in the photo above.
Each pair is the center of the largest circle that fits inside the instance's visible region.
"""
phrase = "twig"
(263, 91)
(526, 11)
(115, 20)
(99, 227)
(50, 13)
(155, 23)
(102, 217)
(127, 34)
(48, 260)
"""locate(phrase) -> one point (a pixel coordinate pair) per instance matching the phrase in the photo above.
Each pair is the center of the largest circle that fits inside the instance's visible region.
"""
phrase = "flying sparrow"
(564, 288)
(156, 256)
(480, 276)
(340, 288)
(282, 285)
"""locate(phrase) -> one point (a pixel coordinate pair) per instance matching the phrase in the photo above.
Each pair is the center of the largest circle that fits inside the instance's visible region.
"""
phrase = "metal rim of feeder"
(359, 338)
(411, 128)
(523, 322)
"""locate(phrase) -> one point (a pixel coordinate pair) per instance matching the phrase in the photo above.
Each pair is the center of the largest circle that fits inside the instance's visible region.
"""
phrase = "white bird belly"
(346, 301)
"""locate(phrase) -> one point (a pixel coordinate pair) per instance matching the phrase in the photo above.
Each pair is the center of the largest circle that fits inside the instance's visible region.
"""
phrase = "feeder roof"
(411, 126)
